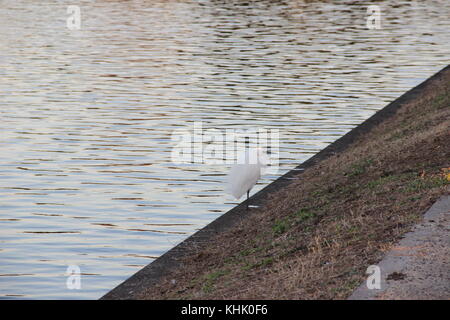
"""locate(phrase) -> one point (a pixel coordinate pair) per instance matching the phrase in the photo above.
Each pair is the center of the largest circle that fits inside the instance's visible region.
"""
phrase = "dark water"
(86, 176)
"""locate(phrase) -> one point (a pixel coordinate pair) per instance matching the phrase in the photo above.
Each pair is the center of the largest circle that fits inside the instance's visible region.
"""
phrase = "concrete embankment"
(320, 225)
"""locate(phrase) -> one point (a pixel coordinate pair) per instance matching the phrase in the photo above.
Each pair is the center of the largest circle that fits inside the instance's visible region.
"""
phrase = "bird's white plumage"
(243, 176)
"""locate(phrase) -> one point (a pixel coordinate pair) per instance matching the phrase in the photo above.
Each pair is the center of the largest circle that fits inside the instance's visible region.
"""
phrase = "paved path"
(419, 266)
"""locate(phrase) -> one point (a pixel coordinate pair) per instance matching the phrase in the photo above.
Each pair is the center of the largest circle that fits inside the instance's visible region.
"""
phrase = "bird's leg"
(248, 191)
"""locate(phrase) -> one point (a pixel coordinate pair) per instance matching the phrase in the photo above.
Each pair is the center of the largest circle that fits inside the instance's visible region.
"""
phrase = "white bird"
(246, 172)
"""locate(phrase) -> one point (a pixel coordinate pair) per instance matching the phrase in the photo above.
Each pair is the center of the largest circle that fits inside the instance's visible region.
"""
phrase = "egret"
(244, 174)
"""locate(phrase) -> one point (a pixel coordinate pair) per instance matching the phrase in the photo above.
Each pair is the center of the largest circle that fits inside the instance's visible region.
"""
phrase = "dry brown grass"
(315, 238)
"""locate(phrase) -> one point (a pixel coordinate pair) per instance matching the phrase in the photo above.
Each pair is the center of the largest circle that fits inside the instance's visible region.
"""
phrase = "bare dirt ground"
(315, 238)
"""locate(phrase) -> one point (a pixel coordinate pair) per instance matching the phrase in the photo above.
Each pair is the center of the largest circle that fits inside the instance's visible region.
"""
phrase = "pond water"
(86, 176)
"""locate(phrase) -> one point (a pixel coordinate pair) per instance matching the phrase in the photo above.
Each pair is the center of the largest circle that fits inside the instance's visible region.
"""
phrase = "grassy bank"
(315, 238)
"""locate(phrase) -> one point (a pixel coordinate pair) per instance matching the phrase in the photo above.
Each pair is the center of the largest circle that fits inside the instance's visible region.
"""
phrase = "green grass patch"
(441, 101)
(420, 184)
(263, 263)
(280, 226)
(210, 279)
(303, 215)
(359, 168)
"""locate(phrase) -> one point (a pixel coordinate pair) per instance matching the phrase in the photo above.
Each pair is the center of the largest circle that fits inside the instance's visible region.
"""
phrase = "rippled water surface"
(86, 176)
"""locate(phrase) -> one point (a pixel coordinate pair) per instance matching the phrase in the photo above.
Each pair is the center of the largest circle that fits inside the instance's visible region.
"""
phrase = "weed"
(359, 168)
(280, 226)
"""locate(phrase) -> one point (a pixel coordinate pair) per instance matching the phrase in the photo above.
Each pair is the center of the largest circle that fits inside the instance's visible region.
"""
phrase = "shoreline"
(173, 260)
